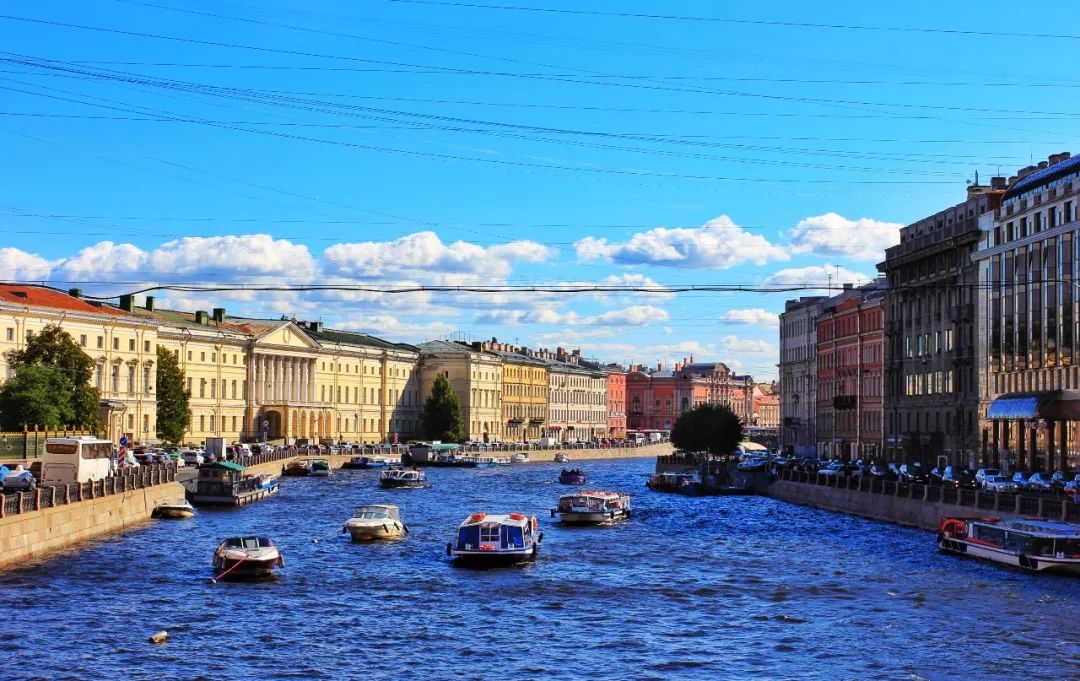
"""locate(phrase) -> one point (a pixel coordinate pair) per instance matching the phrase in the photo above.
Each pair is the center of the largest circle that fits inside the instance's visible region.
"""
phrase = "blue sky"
(390, 143)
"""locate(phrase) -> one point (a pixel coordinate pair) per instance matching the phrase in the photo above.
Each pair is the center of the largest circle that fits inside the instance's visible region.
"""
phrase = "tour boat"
(319, 468)
(495, 539)
(296, 468)
(561, 458)
(1030, 543)
(520, 457)
(671, 482)
(375, 521)
(402, 478)
(174, 511)
(267, 482)
(592, 507)
(246, 557)
(364, 462)
(572, 476)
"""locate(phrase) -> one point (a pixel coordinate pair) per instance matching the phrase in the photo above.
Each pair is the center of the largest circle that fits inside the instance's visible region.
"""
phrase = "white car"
(983, 473)
(20, 480)
(1039, 482)
(998, 483)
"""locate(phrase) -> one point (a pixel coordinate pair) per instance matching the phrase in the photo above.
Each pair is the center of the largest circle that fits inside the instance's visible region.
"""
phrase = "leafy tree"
(441, 415)
(38, 395)
(709, 427)
(173, 408)
(54, 347)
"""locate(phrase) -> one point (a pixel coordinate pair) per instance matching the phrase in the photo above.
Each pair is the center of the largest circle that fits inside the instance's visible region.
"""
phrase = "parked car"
(1039, 482)
(1020, 479)
(881, 472)
(20, 480)
(983, 473)
(193, 458)
(998, 483)
(913, 473)
(1072, 487)
(1058, 480)
(936, 475)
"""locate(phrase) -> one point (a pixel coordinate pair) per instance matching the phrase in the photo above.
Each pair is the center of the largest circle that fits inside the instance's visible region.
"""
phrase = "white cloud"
(397, 330)
(834, 235)
(635, 315)
(747, 346)
(16, 265)
(718, 244)
(755, 316)
(816, 277)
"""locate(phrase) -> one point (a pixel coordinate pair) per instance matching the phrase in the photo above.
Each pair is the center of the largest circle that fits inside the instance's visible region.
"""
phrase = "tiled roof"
(41, 296)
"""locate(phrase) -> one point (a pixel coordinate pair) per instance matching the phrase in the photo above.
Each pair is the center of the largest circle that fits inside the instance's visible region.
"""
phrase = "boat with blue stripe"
(490, 539)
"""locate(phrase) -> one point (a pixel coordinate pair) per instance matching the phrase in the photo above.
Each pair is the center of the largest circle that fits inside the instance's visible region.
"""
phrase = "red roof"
(39, 296)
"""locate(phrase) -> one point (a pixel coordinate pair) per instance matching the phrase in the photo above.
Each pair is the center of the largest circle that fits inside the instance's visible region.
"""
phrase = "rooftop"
(45, 297)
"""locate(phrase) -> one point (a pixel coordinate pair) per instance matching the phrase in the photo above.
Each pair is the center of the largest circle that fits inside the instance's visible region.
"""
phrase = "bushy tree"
(38, 395)
(173, 408)
(441, 416)
(709, 427)
(53, 347)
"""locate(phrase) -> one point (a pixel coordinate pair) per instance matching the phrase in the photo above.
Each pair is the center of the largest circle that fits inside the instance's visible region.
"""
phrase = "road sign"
(123, 441)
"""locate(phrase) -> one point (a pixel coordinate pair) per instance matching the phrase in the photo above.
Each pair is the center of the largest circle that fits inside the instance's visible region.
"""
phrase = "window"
(115, 343)
(202, 356)
(82, 340)
(948, 340)
(202, 423)
(131, 422)
(116, 378)
(146, 379)
(212, 419)
(146, 423)
(131, 345)
(234, 394)
(489, 533)
(146, 346)
(213, 390)
(233, 418)
(202, 387)
(11, 336)
(189, 355)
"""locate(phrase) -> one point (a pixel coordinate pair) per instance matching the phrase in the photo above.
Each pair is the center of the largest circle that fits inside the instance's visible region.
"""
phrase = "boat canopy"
(1050, 405)
(226, 465)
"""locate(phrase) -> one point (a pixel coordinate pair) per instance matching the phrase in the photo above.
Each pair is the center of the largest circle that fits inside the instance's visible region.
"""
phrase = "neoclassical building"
(477, 378)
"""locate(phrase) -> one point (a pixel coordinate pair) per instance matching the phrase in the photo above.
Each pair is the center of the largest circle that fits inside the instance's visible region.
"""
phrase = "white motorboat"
(402, 478)
(246, 557)
(375, 521)
(173, 511)
(592, 507)
(561, 458)
(1028, 543)
(520, 457)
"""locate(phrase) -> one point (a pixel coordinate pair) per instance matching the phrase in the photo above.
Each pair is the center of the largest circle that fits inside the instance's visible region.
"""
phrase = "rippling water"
(717, 588)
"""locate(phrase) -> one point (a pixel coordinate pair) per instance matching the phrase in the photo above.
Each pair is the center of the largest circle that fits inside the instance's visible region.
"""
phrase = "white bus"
(75, 459)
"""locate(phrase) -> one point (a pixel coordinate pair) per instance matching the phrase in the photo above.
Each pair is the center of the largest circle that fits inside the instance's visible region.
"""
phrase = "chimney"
(219, 314)
(317, 327)
(659, 366)
(1012, 180)
(75, 292)
(1024, 172)
(848, 286)
(1043, 164)
(201, 318)
(150, 303)
(997, 183)
(127, 302)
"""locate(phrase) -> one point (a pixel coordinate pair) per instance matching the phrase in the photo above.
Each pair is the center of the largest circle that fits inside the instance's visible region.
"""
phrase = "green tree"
(38, 395)
(709, 428)
(441, 415)
(173, 408)
(54, 347)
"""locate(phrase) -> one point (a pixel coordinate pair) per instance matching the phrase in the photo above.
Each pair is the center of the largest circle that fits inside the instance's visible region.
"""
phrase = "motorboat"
(561, 458)
(671, 482)
(1029, 543)
(319, 468)
(248, 556)
(296, 468)
(572, 476)
(398, 478)
(365, 462)
(375, 521)
(173, 511)
(592, 507)
(520, 457)
(502, 461)
(487, 539)
(433, 453)
(267, 482)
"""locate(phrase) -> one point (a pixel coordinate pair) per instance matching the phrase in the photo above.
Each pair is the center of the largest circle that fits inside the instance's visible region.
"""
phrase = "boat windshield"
(372, 514)
(248, 542)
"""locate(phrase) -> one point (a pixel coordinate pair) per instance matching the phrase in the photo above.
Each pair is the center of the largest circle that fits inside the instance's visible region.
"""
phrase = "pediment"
(286, 335)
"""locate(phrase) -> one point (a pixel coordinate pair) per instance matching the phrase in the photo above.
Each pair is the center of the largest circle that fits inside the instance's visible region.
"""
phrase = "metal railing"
(1005, 502)
(59, 495)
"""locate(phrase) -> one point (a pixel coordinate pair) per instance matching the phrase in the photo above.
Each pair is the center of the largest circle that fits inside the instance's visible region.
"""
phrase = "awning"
(1048, 405)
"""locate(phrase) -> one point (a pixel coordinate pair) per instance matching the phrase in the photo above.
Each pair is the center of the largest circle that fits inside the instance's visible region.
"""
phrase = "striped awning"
(1049, 405)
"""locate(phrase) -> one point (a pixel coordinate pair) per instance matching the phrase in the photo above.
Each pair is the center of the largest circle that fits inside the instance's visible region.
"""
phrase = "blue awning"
(1049, 405)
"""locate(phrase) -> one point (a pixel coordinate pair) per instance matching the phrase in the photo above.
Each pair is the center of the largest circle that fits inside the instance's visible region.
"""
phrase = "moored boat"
(400, 478)
(572, 476)
(561, 458)
(267, 482)
(592, 507)
(672, 482)
(249, 556)
(495, 539)
(319, 468)
(520, 457)
(173, 511)
(296, 468)
(375, 521)
(1029, 543)
(365, 462)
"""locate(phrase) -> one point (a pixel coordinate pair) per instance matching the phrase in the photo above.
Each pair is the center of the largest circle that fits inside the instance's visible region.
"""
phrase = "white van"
(75, 459)
(636, 438)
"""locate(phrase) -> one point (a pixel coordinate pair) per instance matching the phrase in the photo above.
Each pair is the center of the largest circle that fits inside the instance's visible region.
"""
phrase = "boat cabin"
(1028, 537)
(377, 512)
(220, 479)
(248, 543)
(493, 532)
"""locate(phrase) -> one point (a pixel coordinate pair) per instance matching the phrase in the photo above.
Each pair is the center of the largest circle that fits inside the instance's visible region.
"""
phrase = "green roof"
(355, 338)
(226, 464)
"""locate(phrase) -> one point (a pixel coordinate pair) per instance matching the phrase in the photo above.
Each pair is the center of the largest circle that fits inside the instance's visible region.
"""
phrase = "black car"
(880, 471)
(936, 475)
(913, 473)
(958, 478)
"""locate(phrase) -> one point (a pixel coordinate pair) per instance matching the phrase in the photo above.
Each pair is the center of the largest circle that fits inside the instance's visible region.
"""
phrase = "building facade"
(476, 376)
(1029, 269)
(656, 397)
(798, 375)
(766, 406)
(524, 392)
(850, 359)
(616, 401)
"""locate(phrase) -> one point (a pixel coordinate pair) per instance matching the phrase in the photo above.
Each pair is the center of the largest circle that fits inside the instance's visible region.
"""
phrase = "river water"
(709, 588)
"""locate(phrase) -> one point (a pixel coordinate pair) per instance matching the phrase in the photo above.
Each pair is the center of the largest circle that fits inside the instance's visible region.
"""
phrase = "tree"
(173, 408)
(709, 427)
(53, 347)
(441, 416)
(38, 395)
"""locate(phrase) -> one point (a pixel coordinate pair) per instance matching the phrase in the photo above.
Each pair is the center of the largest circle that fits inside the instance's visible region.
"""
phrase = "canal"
(710, 588)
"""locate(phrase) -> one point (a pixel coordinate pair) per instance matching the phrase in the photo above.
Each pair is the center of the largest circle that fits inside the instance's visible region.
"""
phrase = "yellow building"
(476, 377)
(524, 392)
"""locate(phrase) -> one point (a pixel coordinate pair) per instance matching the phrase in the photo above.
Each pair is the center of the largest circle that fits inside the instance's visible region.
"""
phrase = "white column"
(290, 383)
(302, 383)
(259, 378)
(312, 393)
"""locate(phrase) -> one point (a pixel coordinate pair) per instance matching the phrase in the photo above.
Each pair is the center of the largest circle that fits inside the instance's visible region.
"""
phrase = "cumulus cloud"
(718, 244)
(393, 328)
(836, 236)
(755, 316)
(747, 346)
(635, 315)
(16, 265)
(816, 277)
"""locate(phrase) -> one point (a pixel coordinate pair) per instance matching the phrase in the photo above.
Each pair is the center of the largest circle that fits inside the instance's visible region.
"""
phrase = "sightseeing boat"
(319, 468)
(434, 454)
(487, 539)
(1029, 543)
(365, 462)
(173, 511)
(296, 468)
(246, 557)
(671, 482)
(375, 521)
(400, 478)
(572, 476)
(226, 483)
(592, 507)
